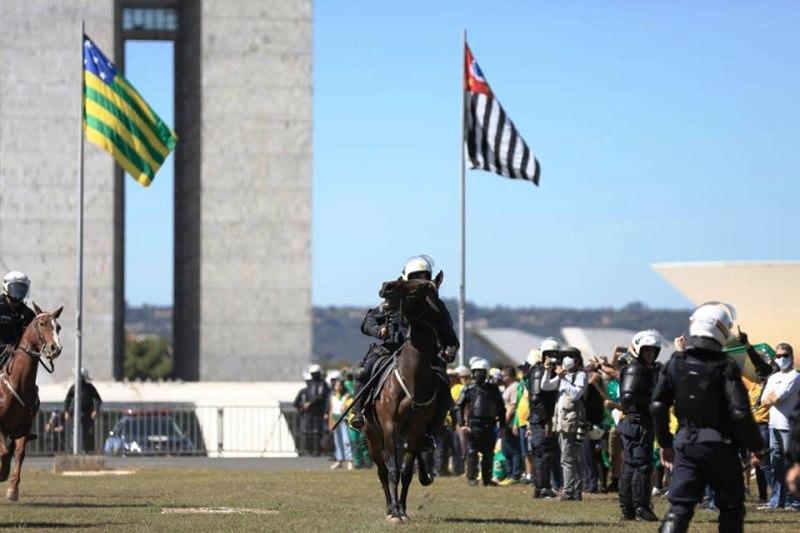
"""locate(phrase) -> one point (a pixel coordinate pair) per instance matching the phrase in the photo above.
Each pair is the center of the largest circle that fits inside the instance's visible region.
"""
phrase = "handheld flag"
(492, 142)
(117, 119)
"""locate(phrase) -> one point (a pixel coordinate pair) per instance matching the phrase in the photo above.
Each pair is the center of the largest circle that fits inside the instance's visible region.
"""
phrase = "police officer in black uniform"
(480, 409)
(637, 381)
(713, 413)
(14, 314)
(542, 405)
(391, 329)
(315, 404)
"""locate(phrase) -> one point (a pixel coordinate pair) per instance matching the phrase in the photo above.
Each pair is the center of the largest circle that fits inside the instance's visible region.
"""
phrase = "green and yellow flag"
(118, 120)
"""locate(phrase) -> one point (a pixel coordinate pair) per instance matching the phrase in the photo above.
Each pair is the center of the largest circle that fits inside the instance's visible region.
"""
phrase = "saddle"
(384, 366)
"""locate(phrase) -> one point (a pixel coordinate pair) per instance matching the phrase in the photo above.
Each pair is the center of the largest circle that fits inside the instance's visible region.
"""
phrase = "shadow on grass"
(526, 522)
(80, 505)
(57, 525)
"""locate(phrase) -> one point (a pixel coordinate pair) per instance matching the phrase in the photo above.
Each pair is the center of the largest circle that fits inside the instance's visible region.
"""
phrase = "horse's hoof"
(426, 481)
(388, 517)
(405, 518)
(396, 521)
(12, 495)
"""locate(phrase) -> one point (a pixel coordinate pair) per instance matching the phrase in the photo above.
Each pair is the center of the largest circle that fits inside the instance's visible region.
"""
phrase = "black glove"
(742, 337)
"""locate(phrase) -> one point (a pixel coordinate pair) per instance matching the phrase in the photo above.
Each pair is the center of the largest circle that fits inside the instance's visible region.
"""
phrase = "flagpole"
(76, 401)
(462, 291)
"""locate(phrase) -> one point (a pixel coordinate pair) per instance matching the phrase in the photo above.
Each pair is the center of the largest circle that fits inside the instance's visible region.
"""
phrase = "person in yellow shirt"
(459, 380)
(761, 415)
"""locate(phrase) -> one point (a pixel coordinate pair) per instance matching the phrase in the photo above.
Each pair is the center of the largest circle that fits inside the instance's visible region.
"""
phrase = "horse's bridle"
(44, 350)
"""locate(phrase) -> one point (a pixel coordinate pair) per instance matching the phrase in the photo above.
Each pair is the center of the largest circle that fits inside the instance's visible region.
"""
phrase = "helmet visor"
(17, 290)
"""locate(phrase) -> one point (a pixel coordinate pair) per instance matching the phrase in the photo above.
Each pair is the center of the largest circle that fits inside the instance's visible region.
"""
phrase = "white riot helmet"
(332, 375)
(315, 369)
(648, 337)
(418, 263)
(307, 376)
(550, 344)
(16, 285)
(85, 374)
(462, 371)
(534, 357)
(713, 320)
(479, 364)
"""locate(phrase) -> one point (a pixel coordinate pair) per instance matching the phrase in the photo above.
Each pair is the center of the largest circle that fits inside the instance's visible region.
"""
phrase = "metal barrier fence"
(170, 429)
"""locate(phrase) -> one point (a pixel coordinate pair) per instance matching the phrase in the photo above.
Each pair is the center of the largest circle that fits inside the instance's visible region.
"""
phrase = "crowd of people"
(568, 425)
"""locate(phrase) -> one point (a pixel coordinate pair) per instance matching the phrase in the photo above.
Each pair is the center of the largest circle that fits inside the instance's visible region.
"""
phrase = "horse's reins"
(414, 404)
(43, 351)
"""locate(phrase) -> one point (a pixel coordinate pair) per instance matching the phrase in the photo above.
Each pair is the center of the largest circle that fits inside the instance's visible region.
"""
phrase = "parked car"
(147, 433)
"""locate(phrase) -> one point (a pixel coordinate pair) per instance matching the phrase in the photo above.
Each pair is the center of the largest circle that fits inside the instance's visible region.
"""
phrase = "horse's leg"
(19, 455)
(407, 476)
(393, 465)
(377, 456)
(5, 457)
(425, 477)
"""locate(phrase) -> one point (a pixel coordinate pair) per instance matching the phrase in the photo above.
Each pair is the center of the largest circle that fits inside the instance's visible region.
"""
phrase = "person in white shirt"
(569, 420)
(782, 395)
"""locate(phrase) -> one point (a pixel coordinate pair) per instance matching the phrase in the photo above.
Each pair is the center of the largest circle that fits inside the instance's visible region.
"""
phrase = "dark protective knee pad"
(731, 520)
(642, 486)
(675, 521)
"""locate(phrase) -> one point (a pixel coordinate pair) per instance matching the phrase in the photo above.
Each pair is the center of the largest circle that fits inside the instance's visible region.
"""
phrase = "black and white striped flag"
(492, 142)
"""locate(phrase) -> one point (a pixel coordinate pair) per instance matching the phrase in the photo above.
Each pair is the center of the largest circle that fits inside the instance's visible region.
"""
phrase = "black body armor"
(481, 403)
(711, 403)
(637, 381)
(542, 402)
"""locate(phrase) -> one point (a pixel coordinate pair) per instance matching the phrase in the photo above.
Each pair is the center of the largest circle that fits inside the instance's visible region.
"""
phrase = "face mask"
(784, 362)
(569, 363)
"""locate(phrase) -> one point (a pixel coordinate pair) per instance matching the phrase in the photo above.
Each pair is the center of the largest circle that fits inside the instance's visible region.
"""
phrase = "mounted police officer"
(480, 408)
(542, 408)
(713, 411)
(637, 381)
(389, 327)
(14, 314)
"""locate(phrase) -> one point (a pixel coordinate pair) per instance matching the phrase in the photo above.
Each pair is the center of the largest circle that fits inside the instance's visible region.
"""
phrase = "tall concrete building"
(242, 210)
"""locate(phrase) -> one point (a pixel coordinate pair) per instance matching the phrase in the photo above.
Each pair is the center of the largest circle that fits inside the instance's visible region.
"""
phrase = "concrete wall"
(40, 62)
(243, 182)
(256, 189)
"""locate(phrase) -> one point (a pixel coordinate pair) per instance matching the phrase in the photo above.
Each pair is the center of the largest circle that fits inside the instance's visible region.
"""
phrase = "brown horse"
(19, 398)
(407, 403)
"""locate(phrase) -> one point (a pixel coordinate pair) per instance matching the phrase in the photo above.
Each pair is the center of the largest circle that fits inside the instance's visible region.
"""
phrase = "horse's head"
(42, 333)
(415, 296)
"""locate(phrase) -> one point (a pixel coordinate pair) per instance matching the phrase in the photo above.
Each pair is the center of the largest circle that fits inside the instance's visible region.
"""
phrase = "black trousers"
(480, 439)
(635, 482)
(543, 446)
(706, 463)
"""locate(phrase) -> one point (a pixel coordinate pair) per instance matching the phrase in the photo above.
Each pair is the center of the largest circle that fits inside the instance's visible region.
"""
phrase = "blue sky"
(665, 133)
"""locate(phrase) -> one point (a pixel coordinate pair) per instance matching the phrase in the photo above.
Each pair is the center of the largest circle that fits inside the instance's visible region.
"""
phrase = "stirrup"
(357, 421)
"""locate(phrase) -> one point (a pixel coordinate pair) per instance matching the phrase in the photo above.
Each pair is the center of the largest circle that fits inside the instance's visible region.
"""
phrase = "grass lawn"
(313, 501)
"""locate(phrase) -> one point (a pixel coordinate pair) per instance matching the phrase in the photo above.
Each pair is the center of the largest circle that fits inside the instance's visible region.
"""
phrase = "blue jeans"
(511, 449)
(764, 471)
(341, 442)
(778, 442)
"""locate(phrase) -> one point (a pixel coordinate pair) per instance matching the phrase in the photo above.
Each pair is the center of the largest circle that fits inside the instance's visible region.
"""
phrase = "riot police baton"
(363, 389)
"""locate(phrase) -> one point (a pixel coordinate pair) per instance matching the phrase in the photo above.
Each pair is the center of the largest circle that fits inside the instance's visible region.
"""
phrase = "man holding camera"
(570, 419)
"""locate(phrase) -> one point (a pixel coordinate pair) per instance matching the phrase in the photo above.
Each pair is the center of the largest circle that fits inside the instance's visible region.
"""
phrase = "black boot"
(436, 427)
(357, 419)
(642, 493)
(626, 494)
(674, 523)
